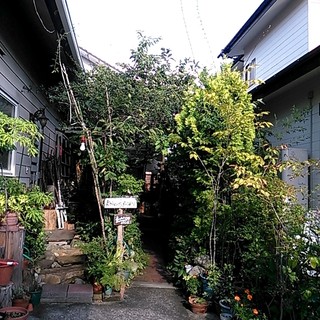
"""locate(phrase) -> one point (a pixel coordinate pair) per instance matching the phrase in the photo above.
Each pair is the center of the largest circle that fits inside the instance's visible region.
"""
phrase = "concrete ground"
(140, 303)
(151, 296)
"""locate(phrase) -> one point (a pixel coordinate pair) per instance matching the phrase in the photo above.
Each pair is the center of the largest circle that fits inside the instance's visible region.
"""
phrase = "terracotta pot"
(25, 264)
(5, 272)
(198, 307)
(23, 303)
(12, 218)
(97, 287)
(11, 313)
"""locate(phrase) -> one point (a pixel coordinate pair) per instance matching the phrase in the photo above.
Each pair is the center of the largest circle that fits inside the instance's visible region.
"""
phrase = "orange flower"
(237, 298)
(249, 297)
(255, 312)
(247, 291)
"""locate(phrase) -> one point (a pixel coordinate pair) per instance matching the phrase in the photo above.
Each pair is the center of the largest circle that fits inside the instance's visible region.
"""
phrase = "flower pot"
(225, 316)
(208, 291)
(35, 297)
(225, 306)
(97, 287)
(15, 313)
(198, 307)
(107, 291)
(5, 272)
(12, 218)
(23, 303)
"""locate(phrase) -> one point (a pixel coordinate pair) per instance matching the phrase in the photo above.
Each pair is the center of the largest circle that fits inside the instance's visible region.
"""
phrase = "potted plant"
(14, 313)
(20, 298)
(197, 302)
(27, 204)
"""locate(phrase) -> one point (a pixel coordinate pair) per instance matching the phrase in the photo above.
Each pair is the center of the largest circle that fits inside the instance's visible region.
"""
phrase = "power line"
(186, 29)
(203, 29)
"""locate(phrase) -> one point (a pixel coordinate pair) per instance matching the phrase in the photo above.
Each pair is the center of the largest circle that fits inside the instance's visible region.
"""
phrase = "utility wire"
(36, 10)
(203, 30)
(186, 28)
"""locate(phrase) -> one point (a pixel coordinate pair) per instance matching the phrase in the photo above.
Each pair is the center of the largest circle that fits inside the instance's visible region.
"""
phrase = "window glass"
(7, 108)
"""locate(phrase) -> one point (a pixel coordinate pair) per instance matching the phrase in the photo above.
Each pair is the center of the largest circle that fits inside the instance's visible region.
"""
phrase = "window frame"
(10, 170)
(250, 72)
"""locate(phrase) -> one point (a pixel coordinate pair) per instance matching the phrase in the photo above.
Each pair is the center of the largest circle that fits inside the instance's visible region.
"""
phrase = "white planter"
(225, 316)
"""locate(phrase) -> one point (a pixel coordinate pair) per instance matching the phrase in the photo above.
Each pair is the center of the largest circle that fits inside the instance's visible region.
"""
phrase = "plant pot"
(12, 218)
(225, 316)
(15, 313)
(35, 297)
(208, 291)
(5, 272)
(198, 307)
(107, 291)
(97, 287)
(25, 264)
(23, 303)
(225, 306)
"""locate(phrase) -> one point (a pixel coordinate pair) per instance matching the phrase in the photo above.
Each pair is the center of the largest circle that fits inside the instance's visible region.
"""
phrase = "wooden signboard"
(120, 203)
(122, 219)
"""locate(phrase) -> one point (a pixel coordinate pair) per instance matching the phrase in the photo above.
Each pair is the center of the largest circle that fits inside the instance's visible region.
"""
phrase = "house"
(280, 45)
(89, 61)
(29, 34)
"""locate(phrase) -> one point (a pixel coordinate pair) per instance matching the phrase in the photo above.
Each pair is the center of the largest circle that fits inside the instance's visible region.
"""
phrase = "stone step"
(60, 235)
(61, 275)
(67, 293)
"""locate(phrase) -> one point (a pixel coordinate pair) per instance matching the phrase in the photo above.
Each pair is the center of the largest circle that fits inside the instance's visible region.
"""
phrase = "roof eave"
(262, 9)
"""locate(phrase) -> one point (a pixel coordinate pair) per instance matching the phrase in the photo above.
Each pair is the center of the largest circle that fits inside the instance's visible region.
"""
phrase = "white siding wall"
(15, 83)
(314, 25)
(281, 42)
(304, 94)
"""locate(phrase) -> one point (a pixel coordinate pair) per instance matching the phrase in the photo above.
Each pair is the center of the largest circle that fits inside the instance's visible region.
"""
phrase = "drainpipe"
(310, 184)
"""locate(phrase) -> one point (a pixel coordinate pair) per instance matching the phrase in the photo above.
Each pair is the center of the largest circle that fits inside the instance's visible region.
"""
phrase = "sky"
(196, 29)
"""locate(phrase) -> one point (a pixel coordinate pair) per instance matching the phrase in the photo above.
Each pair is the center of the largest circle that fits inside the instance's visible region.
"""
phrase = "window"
(250, 72)
(7, 106)
(63, 146)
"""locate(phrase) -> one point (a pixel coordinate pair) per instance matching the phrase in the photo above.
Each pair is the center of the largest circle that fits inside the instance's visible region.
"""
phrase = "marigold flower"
(247, 291)
(237, 298)
(255, 312)
(249, 297)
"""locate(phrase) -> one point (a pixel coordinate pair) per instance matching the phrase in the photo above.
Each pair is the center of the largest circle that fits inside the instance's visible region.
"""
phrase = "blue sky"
(197, 29)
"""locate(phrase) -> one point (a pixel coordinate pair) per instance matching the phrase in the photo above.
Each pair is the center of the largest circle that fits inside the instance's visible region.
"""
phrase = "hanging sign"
(120, 203)
(121, 219)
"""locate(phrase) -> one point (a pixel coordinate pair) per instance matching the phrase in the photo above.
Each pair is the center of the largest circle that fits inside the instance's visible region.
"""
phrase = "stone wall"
(64, 262)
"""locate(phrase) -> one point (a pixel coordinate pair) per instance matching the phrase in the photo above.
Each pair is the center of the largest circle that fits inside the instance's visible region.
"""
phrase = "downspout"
(310, 184)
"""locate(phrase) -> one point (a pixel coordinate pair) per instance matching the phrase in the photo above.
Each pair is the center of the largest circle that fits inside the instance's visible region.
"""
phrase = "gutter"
(61, 19)
(69, 30)
(262, 9)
